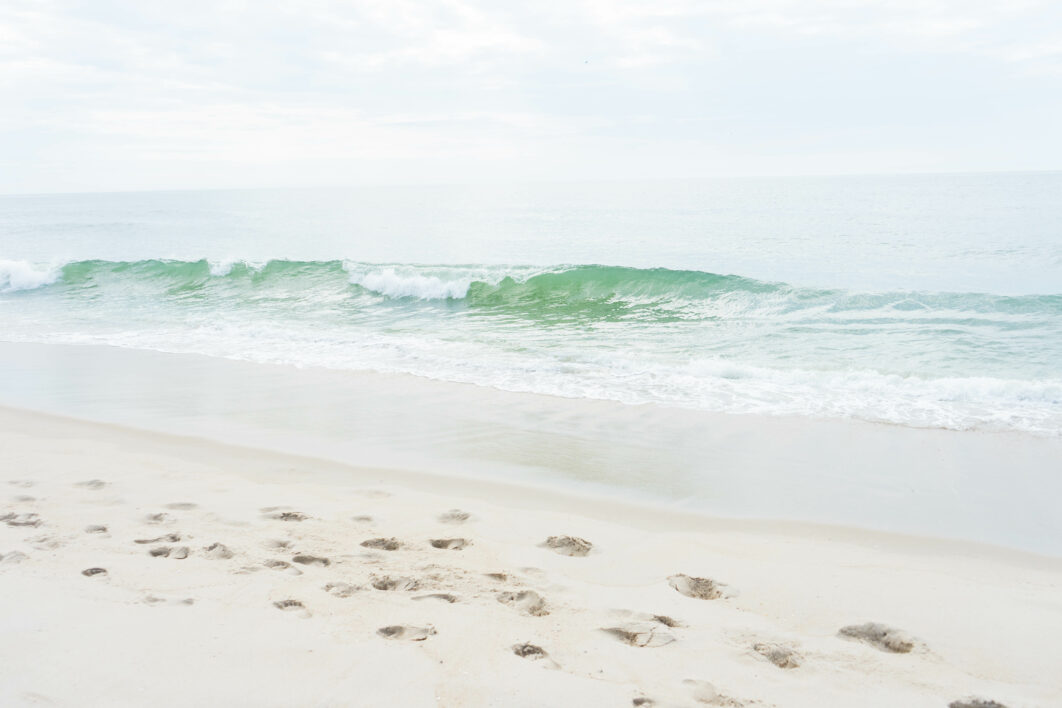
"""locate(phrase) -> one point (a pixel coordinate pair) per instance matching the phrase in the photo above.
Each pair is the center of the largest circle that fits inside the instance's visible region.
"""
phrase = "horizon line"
(525, 181)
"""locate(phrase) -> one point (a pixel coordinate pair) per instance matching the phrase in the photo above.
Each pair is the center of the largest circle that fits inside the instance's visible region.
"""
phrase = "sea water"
(925, 301)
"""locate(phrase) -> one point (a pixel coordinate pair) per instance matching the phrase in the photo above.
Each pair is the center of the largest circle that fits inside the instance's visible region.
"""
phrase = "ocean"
(930, 301)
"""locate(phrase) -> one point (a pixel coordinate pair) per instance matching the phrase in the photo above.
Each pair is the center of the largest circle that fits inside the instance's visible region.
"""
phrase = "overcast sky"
(109, 95)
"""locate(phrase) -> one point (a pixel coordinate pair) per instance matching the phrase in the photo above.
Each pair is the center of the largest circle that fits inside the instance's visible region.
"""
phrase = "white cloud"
(149, 93)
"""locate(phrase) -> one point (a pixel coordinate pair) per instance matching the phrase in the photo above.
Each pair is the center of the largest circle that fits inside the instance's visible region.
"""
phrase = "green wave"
(588, 292)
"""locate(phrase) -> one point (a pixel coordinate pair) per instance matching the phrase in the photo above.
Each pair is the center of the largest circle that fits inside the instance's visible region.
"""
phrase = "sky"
(105, 95)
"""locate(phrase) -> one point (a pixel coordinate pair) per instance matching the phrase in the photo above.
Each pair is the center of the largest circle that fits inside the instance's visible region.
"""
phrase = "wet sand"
(140, 567)
(997, 488)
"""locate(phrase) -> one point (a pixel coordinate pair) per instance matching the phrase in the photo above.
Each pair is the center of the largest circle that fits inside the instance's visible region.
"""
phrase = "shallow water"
(997, 488)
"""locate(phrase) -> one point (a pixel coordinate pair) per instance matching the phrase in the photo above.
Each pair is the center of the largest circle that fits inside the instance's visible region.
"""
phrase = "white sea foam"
(221, 268)
(20, 275)
(430, 283)
(958, 403)
(391, 283)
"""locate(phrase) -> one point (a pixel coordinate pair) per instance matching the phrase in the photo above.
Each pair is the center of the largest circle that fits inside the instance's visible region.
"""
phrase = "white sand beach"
(142, 568)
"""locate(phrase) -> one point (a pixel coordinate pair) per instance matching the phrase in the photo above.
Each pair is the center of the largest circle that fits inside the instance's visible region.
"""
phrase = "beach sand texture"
(144, 569)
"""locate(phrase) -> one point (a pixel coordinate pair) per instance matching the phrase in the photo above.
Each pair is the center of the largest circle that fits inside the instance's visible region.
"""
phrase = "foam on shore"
(925, 482)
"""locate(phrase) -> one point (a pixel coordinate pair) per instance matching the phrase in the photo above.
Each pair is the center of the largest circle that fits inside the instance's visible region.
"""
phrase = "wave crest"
(20, 275)
(688, 338)
(400, 282)
(583, 291)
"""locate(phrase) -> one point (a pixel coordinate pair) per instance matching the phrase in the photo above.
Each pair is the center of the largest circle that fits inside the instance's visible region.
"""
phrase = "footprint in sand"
(699, 588)
(182, 506)
(454, 516)
(95, 528)
(406, 633)
(46, 542)
(362, 519)
(568, 545)
(94, 572)
(277, 544)
(179, 553)
(282, 566)
(28, 519)
(168, 538)
(665, 620)
(450, 544)
(303, 559)
(778, 654)
(527, 601)
(704, 692)
(284, 515)
(293, 606)
(341, 589)
(153, 600)
(24, 498)
(217, 551)
(529, 651)
(160, 519)
(388, 582)
(500, 577)
(12, 558)
(535, 653)
(444, 596)
(22, 483)
(975, 703)
(640, 634)
(383, 544)
(91, 484)
(879, 636)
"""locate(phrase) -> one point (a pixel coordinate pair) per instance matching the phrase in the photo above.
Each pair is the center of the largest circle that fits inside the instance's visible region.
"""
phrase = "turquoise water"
(924, 301)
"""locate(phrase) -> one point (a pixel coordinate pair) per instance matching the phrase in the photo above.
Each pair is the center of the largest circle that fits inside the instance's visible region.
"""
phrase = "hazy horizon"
(472, 182)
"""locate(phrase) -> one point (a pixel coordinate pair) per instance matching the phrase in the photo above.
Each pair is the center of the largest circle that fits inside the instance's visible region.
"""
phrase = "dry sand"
(143, 569)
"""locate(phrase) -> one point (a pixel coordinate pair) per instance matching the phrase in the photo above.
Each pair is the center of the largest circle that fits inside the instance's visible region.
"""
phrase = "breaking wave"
(679, 337)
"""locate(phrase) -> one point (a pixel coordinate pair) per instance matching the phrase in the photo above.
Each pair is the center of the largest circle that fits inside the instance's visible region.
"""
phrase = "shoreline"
(258, 626)
(645, 515)
(922, 482)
